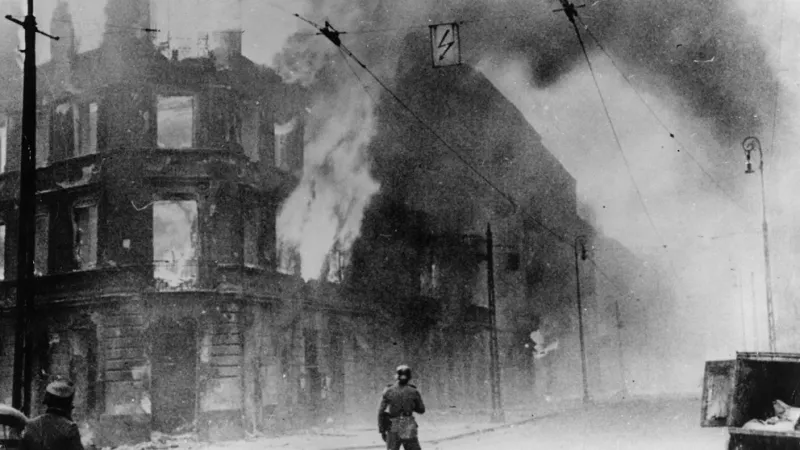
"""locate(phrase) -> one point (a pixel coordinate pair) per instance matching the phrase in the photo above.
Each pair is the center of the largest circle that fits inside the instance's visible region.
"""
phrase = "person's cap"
(61, 389)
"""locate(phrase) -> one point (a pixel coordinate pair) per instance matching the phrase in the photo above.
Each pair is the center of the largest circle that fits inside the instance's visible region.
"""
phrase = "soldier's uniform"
(399, 402)
(54, 430)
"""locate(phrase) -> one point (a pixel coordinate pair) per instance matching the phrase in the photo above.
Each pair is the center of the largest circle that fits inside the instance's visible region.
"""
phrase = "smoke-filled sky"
(711, 72)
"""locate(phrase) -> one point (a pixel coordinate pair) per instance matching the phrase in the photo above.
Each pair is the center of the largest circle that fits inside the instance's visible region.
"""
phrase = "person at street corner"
(54, 430)
(399, 402)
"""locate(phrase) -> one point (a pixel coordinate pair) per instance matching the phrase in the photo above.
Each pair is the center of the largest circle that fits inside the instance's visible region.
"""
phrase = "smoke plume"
(704, 53)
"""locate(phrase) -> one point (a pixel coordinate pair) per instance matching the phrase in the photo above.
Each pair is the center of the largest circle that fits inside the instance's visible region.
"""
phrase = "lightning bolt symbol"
(445, 46)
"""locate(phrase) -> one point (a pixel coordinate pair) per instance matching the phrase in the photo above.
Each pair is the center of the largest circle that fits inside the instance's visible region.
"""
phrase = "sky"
(684, 199)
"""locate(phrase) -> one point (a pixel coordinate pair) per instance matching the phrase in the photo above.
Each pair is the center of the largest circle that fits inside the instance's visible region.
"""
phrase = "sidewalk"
(434, 427)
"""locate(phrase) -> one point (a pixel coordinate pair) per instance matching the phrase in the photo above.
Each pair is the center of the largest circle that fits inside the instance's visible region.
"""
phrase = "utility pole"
(497, 403)
(751, 144)
(23, 349)
(621, 351)
(581, 241)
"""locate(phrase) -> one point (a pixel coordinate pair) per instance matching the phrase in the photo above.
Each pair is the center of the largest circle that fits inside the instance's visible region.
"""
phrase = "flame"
(174, 238)
(326, 209)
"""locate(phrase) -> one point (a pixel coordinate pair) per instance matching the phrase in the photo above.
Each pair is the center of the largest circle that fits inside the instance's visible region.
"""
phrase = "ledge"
(135, 166)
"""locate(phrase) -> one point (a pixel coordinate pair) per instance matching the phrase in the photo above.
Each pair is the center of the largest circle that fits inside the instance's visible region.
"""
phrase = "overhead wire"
(346, 52)
(512, 17)
(616, 136)
(777, 88)
(100, 24)
(605, 108)
(684, 148)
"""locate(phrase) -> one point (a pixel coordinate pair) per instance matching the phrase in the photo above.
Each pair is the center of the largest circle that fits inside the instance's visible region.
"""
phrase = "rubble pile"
(159, 441)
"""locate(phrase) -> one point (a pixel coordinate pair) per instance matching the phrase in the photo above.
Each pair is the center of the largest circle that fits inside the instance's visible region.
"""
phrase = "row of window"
(175, 241)
(72, 130)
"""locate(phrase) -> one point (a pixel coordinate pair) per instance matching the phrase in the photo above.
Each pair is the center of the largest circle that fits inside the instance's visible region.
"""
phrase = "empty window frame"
(43, 139)
(430, 272)
(252, 238)
(42, 243)
(283, 139)
(2, 251)
(250, 130)
(337, 265)
(3, 143)
(175, 238)
(84, 223)
(63, 131)
(85, 126)
(175, 120)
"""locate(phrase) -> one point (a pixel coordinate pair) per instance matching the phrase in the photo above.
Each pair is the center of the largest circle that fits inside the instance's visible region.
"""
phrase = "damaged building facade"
(159, 178)
(422, 254)
(158, 181)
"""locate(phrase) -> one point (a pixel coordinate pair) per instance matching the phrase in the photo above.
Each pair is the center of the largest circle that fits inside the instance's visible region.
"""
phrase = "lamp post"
(498, 416)
(581, 241)
(750, 144)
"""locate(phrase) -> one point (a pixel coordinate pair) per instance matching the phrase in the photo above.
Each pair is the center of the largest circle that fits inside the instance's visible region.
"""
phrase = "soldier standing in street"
(396, 421)
(54, 430)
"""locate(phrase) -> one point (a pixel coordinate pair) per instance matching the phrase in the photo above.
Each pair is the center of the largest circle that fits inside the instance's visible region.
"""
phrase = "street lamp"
(581, 241)
(750, 144)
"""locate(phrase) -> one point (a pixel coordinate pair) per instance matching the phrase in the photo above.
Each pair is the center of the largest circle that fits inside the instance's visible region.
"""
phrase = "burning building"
(158, 181)
(422, 254)
(160, 175)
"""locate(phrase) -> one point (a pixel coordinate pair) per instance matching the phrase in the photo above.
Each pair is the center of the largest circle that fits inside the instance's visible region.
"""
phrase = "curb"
(462, 435)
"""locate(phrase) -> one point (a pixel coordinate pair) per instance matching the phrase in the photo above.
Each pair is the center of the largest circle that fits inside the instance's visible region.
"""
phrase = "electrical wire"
(507, 17)
(684, 147)
(616, 136)
(106, 25)
(430, 129)
(777, 88)
(346, 52)
(478, 173)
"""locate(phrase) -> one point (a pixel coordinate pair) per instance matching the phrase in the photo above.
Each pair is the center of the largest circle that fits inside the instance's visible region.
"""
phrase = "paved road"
(637, 425)
(652, 424)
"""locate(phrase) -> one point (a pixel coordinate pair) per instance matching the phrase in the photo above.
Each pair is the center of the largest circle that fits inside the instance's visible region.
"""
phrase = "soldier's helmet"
(403, 373)
(59, 394)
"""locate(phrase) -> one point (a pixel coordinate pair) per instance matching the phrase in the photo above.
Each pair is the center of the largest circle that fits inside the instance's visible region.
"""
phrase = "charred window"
(63, 128)
(3, 250)
(3, 143)
(223, 122)
(512, 262)
(252, 238)
(43, 139)
(289, 145)
(84, 222)
(337, 265)
(250, 130)
(266, 136)
(429, 273)
(42, 243)
(84, 118)
(175, 122)
(175, 237)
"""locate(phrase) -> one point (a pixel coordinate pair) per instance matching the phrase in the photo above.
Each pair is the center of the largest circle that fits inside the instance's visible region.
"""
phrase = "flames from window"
(175, 243)
(326, 209)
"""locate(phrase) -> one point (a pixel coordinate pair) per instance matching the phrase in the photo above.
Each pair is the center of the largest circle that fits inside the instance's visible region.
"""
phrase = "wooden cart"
(739, 390)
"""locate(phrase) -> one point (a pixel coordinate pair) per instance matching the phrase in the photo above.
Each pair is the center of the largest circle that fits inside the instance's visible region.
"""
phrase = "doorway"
(173, 384)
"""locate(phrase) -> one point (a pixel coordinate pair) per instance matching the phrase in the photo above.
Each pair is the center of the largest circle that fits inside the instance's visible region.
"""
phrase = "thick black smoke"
(705, 52)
